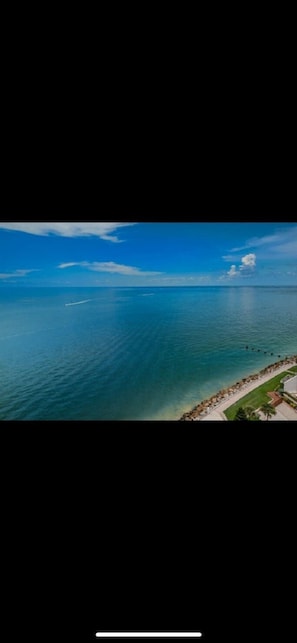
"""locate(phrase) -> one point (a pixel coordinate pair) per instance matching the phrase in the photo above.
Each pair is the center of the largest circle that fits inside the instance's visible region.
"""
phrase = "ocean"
(134, 353)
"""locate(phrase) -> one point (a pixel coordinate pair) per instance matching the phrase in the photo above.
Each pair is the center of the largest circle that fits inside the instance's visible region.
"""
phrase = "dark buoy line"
(260, 350)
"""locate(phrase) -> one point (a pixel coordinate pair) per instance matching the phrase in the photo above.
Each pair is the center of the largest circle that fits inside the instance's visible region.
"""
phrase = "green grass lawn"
(257, 397)
(294, 369)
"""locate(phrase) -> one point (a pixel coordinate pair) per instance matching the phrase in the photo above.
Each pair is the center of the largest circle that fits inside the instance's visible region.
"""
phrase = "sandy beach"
(213, 409)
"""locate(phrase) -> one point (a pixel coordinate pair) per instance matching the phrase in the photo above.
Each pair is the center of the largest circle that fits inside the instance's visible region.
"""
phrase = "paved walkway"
(218, 412)
(283, 412)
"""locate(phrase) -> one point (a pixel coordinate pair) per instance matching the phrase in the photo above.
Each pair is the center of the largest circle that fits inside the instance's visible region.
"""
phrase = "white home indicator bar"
(141, 635)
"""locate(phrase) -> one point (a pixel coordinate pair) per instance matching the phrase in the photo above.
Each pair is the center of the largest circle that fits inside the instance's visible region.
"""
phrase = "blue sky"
(147, 254)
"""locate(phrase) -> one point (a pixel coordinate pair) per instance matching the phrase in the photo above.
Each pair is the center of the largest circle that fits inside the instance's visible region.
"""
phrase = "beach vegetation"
(255, 398)
(241, 415)
(251, 413)
(293, 368)
(247, 413)
(268, 410)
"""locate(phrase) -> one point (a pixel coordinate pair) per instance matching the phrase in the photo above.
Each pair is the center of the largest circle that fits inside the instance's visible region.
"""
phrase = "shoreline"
(217, 403)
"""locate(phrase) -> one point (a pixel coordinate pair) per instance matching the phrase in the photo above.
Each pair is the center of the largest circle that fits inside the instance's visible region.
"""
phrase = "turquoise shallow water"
(134, 353)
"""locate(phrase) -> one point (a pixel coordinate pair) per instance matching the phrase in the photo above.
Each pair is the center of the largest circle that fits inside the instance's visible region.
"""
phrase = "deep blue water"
(134, 353)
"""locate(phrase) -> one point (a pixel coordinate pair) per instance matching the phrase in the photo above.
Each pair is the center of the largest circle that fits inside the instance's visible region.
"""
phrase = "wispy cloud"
(184, 279)
(230, 258)
(282, 241)
(72, 263)
(256, 242)
(67, 229)
(17, 273)
(109, 266)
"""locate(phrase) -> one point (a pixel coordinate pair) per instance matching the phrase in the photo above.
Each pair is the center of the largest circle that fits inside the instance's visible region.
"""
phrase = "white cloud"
(184, 279)
(288, 248)
(16, 273)
(115, 239)
(247, 266)
(256, 242)
(283, 240)
(70, 264)
(67, 229)
(230, 258)
(232, 272)
(109, 266)
(248, 262)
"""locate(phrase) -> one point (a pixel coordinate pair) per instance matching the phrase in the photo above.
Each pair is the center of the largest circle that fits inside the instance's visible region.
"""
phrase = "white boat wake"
(75, 303)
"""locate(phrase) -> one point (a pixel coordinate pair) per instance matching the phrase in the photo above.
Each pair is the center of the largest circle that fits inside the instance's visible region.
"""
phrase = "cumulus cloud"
(247, 266)
(16, 273)
(248, 262)
(67, 229)
(109, 266)
(232, 272)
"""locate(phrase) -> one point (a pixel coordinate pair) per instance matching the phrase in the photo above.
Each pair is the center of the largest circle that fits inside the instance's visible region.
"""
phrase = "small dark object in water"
(246, 347)
(258, 351)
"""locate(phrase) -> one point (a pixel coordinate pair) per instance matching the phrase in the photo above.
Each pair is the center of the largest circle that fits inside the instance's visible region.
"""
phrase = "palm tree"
(240, 415)
(251, 413)
(268, 410)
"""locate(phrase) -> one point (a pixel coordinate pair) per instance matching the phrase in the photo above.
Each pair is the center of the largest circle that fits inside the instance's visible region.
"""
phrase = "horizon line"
(148, 634)
(29, 285)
